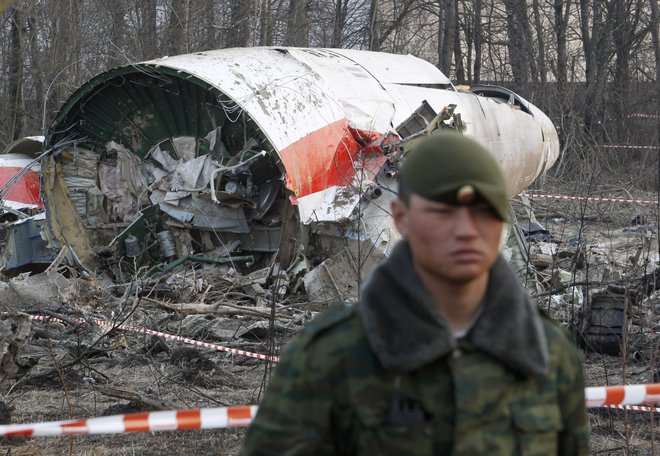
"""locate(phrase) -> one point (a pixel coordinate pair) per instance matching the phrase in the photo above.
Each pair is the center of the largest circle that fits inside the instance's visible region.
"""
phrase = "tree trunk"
(594, 42)
(36, 69)
(148, 44)
(655, 39)
(625, 18)
(266, 24)
(116, 11)
(209, 35)
(16, 107)
(399, 16)
(176, 39)
(448, 11)
(540, 41)
(478, 42)
(65, 52)
(519, 43)
(339, 22)
(372, 33)
(297, 26)
(458, 49)
(239, 28)
(562, 16)
(655, 25)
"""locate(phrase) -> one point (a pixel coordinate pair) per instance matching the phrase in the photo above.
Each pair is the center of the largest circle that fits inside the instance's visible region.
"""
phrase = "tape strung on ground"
(623, 397)
(637, 408)
(175, 420)
(172, 337)
(587, 198)
(599, 396)
(624, 146)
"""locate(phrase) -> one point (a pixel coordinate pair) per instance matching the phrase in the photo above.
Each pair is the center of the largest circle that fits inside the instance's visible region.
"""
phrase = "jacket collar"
(406, 331)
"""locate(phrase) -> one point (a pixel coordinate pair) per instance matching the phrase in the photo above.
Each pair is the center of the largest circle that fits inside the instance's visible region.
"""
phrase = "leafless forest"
(592, 65)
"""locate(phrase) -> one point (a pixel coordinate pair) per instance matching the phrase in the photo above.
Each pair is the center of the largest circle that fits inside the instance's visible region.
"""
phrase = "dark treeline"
(593, 65)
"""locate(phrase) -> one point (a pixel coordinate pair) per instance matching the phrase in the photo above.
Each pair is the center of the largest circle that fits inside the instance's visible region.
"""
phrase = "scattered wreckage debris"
(52, 324)
(258, 156)
(21, 207)
(282, 176)
(14, 336)
(603, 282)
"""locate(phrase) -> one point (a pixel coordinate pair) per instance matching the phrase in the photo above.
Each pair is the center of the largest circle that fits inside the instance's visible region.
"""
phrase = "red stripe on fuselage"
(321, 159)
(26, 189)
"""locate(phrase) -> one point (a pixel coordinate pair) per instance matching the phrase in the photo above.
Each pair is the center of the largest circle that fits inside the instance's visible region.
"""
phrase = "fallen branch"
(200, 308)
(133, 397)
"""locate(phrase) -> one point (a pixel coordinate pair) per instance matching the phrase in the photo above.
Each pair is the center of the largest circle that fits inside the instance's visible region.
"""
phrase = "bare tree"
(265, 23)
(64, 53)
(386, 18)
(175, 40)
(208, 33)
(116, 10)
(373, 35)
(477, 39)
(341, 11)
(596, 57)
(562, 15)
(297, 24)
(458, 50)
(519, 43)
(625, 19)
(655, 25)
(540, 41)
(446, 34)
(239, 28)
(611, 47)
(147, 23)
(16, 107)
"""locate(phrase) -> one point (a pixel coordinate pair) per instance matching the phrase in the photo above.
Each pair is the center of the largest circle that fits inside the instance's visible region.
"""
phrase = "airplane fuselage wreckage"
(260, 155)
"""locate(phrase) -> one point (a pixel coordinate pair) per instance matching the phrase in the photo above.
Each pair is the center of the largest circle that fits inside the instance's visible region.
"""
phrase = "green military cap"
(451, 168)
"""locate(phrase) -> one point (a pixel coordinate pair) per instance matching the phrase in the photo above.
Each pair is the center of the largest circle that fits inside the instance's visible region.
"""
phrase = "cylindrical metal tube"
(167, 245)
(132, 245)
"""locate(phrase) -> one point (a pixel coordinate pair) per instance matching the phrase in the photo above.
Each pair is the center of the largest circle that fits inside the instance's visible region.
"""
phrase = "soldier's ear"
(400, 216)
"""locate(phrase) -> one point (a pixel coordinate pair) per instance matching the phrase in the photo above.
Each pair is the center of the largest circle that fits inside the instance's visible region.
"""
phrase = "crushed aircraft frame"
(261, 151)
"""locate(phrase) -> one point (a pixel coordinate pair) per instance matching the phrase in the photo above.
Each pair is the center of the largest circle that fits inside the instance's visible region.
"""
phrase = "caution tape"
(166, 336)
(587, 198)
(624, 146)
(175, 420)
(638, 408)
(599, 396)
(626, 397)
(644, 116)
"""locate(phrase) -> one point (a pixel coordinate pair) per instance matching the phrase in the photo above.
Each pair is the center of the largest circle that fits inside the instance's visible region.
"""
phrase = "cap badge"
(466, 194)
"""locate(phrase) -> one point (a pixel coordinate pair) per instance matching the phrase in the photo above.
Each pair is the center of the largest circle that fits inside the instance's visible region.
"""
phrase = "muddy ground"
(78, 369)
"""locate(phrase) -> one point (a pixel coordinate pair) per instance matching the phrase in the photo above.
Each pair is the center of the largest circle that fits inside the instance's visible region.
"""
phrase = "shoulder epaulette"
(328, 319)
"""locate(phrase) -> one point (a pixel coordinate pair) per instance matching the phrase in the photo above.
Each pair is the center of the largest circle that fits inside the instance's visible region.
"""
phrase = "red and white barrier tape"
(623, 146)
(587, 198)
(175, 420)
(598, 396)
(644, 115)
(638, 408)
(622, 397)
(172, 337)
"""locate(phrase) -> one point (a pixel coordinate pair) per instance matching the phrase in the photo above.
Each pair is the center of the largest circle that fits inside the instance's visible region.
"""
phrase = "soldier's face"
(449, 243)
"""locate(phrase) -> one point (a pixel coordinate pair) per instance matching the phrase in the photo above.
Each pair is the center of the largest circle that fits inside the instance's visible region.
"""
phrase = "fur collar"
(406, 331)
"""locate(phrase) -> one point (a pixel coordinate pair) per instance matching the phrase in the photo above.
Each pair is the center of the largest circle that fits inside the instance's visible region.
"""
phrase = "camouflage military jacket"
(387, 377)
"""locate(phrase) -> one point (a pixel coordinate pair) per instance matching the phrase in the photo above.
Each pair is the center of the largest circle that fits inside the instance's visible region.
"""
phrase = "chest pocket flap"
(538, 429)
(538, 418)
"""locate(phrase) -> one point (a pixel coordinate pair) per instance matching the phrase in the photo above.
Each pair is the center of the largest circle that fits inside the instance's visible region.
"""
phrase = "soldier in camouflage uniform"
(444, 354)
